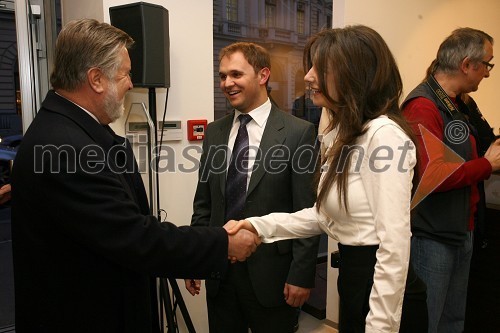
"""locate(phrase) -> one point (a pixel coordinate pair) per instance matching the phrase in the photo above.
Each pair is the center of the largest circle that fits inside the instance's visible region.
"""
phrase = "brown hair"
(368, 84)
(256, 55)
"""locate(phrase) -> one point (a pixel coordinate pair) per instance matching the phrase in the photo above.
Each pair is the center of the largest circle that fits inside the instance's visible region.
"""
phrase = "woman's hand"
(233, 226)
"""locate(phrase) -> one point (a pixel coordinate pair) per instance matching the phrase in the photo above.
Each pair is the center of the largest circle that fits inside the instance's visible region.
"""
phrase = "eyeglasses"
(489, 66)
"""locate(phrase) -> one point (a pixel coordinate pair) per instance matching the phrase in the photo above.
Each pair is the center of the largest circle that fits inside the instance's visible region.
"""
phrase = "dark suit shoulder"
(276, 114)
(68, 123)
(219, 124)
(60, 126)
(291, 119)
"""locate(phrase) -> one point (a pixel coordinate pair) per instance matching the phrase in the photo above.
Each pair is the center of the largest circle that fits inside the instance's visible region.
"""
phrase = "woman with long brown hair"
(366, 182)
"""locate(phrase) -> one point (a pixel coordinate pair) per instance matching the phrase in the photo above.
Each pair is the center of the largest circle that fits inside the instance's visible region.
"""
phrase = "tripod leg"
(159, 293)
(182, 305)
(167, 302)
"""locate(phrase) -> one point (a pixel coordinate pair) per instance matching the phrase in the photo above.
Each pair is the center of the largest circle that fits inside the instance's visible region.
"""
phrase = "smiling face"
(118, 85)
(243, 87)
(314, 84)
(352, 73)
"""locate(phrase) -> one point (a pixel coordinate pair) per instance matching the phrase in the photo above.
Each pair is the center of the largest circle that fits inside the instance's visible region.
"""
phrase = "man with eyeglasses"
(488, 65)
(443, 222)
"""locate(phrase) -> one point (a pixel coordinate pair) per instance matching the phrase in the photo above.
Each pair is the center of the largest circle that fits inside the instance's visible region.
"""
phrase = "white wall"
(190, 97)
(413, 30)
(76, 9)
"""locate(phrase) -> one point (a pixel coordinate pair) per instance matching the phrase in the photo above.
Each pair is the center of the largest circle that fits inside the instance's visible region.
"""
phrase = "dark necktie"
(237, 172)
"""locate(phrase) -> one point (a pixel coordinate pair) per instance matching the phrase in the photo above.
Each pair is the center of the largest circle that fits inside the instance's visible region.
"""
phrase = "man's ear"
(95, 77)
(264, 74)
(466, 65)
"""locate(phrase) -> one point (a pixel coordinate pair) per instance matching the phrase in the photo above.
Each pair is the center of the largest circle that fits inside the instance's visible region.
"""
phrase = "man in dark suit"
(86, 248)
(263, 293)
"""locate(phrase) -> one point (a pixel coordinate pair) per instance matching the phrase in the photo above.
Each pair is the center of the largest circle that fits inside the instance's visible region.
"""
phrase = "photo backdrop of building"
(282, 27)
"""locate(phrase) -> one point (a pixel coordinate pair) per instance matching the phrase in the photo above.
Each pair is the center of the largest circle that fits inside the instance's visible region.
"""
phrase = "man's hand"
(5, 194)
(241, 245)
(296, 296)
(193, 286)
(493, 155)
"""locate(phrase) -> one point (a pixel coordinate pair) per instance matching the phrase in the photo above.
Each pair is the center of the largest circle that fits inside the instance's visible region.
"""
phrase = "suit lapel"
(219, 158)
(128, 177)
(274, 134)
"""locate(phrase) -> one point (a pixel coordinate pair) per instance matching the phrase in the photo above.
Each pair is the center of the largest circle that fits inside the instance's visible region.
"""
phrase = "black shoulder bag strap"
(444, 98)
(450, 106)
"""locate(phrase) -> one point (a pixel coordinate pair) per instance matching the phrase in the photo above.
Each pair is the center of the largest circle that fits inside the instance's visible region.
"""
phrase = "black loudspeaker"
(147, 24)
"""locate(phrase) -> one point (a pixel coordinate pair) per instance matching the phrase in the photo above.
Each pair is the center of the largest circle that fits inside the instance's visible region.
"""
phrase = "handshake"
(243, 240)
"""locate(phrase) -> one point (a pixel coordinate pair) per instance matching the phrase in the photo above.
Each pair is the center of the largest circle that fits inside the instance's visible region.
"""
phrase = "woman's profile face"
(317, 96)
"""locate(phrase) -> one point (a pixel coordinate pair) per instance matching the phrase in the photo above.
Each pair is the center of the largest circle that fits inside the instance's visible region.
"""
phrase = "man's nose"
(228, 82)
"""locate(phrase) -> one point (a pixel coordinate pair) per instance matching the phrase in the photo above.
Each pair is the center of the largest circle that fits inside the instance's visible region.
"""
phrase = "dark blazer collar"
(275, 119)
(101, 134)
(274, 134)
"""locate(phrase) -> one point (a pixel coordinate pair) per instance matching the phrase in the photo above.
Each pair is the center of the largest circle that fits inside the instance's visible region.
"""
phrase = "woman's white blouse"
(379, 195)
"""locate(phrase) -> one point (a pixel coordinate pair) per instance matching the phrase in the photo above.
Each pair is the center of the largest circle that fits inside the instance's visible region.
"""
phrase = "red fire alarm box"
(196, 129)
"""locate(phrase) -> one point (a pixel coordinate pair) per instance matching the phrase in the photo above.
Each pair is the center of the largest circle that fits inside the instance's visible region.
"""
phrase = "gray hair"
(462, 43)
(82, 45)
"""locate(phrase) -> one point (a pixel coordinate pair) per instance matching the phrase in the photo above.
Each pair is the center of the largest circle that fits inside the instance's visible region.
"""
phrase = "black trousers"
(357, 266)
(236, 308)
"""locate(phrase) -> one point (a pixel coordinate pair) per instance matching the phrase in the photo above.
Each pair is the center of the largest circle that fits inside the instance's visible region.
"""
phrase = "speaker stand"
(167, 302)
(154, 174)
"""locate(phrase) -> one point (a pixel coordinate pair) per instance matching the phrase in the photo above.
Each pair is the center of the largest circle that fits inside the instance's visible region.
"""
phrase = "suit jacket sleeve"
(90, 205)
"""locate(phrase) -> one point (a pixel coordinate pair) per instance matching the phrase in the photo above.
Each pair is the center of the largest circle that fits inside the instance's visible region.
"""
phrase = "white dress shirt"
(255, 130)
(379, 194)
